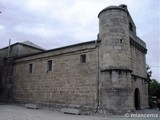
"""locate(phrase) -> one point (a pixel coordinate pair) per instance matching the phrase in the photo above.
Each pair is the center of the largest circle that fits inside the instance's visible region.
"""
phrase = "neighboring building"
(106, 74)
(7, 64)
(19, 49)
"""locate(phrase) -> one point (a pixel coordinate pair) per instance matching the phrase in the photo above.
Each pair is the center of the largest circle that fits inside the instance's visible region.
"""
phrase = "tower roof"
(121, 7)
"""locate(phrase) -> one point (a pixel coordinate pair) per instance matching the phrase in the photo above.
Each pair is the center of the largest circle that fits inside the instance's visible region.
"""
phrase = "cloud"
(35, 29)
(2, 28)
(38, 5)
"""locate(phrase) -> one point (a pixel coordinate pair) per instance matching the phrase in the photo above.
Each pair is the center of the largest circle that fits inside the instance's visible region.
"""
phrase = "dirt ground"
(12, 112)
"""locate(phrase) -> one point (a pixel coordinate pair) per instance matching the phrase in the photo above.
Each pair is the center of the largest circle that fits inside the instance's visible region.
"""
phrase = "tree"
(153, 84)
(149, 73)
(154, 88)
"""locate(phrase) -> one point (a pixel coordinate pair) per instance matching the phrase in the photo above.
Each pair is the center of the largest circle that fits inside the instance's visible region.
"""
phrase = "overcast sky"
(56, 23)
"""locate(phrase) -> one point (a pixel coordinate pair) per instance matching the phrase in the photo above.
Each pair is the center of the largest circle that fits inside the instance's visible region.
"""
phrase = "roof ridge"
(29, 43)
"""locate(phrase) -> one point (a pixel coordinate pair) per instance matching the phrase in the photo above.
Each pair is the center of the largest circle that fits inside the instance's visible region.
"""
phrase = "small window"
(83, 58)
(120, 40)
(30, 68)
(49, 65)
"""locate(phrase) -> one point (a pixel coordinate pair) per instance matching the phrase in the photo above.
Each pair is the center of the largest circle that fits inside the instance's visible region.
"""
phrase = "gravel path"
(11, 112)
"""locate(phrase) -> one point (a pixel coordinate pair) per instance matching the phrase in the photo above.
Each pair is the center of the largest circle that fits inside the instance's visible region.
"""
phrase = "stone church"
(106, 74)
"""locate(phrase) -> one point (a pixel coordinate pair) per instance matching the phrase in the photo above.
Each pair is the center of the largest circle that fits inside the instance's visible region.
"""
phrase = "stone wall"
(70, 83)
(114, 33)
(138, 62)
(142, 86)
(139, 72)
(7, 78)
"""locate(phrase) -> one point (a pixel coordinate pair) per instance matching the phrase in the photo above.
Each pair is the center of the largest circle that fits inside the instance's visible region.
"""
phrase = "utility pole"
(9, 48)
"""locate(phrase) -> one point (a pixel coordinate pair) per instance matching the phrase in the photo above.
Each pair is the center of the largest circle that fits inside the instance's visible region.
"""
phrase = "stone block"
(31, 106)
(70, 111)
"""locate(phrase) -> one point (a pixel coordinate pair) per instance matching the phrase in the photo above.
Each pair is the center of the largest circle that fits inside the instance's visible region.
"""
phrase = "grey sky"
(56, 23)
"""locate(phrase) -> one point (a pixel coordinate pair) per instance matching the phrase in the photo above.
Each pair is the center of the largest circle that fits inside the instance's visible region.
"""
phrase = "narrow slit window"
(131, 27)
(30, 68)
(121, 40)
(49, 65)
(83, 58)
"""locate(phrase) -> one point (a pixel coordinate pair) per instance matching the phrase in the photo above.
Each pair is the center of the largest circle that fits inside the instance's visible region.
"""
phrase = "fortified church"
(107, 74)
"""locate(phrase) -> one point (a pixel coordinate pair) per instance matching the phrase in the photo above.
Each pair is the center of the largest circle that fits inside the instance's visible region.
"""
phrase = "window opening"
(30, 68)
(131, 27)
(83, 58)
(49, 65)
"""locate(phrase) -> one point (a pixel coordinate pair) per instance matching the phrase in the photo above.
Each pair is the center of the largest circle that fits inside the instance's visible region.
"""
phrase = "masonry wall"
(114, 32)
(139, 73)
(138, 62)
(142, 86)
(24, 50)
(70, 83)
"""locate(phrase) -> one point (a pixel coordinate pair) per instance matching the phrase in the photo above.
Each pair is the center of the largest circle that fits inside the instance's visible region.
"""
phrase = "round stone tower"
(114, 35)
(116, 88)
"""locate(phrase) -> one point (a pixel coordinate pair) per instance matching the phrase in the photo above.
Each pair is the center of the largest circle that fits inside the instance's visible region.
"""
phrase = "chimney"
(123, 6)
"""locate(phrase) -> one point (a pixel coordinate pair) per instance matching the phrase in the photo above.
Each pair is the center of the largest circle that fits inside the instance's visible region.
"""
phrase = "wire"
(154, 66)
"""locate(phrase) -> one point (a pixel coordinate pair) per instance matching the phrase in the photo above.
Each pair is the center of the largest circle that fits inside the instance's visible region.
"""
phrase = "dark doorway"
(137, 99)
